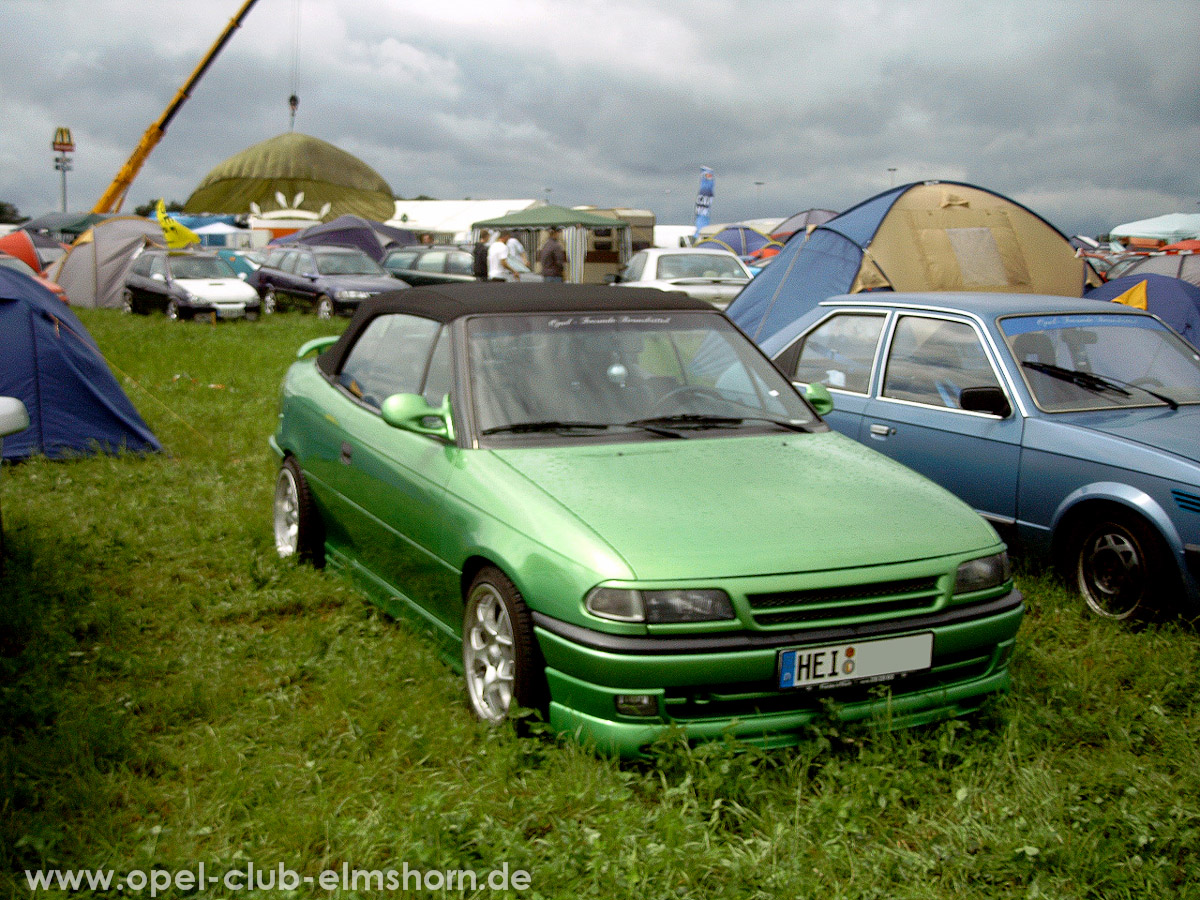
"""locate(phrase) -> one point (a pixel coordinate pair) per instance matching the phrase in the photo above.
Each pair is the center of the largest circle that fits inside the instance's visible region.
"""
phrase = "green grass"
(171, 693)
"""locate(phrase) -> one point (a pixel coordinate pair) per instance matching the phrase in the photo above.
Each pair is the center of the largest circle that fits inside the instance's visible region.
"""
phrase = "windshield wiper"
(1093, 382)
(702, 421)
(545, 425)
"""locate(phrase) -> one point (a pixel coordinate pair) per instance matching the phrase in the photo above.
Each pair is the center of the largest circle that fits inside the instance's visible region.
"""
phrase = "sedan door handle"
(882, 430)
(347, 451)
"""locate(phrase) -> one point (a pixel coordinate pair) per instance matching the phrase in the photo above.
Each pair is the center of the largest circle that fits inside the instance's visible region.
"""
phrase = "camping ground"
(172, 694)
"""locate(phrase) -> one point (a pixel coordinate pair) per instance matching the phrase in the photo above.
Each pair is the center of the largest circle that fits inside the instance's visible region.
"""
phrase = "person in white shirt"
(499, 268)
(516, 250)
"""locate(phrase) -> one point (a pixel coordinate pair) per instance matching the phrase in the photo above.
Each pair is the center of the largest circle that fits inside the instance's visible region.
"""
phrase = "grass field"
(172, 694)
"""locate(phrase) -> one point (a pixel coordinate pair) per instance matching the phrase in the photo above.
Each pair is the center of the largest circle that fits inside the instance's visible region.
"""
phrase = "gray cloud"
(1087, 113)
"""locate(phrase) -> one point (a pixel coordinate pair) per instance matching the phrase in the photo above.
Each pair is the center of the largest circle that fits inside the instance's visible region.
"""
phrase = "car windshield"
(351, 262)
(200, 267)
(1101, 361)
(614, 375)
(699, 265)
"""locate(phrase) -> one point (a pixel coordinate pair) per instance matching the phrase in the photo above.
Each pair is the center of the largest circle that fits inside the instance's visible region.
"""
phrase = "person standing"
(553, 257)
(499, 268)
(516, 251)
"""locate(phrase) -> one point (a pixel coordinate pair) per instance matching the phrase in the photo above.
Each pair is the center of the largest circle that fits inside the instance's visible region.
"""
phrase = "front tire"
(172, 311)
(501, 660)
(127, 302)
(1121, 566)
(324, 308)
(269, 303)
(298, 529)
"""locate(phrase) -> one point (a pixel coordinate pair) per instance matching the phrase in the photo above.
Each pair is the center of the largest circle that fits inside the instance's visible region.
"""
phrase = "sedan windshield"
(667, 374)
(700, 265)
(1100, 361)
(353, 262)
(200, 267)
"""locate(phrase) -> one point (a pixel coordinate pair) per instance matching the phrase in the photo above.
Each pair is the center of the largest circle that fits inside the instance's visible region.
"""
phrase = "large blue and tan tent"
(925, 236)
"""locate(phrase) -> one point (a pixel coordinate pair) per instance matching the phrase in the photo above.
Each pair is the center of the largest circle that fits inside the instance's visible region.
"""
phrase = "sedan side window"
(840, 353)
(932, 360)
(633, 271)
(390, 357)
(433, 261)
(459, 263)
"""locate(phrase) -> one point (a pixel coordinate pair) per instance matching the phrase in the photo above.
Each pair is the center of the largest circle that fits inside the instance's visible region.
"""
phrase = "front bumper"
(726, 683)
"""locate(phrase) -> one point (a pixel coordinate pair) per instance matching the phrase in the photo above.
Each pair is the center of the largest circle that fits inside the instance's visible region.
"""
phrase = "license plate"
(860, 661)
(230, 312)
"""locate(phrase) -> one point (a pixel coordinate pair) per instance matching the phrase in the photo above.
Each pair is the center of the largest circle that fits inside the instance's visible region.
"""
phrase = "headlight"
(981, 574)
(659, 607)
(351, 295)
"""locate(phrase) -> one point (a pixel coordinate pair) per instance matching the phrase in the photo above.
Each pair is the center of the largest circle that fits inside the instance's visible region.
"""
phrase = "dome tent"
(50, 362)
(925, 236)
(292, 164)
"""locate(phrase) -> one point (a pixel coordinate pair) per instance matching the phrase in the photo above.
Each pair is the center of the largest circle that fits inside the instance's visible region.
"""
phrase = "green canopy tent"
(596, 244)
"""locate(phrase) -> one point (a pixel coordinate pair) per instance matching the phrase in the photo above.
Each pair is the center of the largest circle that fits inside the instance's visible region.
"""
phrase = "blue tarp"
(1173, 300)
(50, 362)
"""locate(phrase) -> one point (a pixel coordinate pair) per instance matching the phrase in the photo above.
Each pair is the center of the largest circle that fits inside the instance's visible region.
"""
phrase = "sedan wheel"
(268, 303)
(172, 310)
(127, 302)
(298, 530)
(500, 655)
(1120, 563)
(324, 308)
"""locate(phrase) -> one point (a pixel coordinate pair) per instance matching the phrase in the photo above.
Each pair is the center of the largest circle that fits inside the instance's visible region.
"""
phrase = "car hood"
(761, 505)
(1158, 427)
(218, 290)
(373, 283)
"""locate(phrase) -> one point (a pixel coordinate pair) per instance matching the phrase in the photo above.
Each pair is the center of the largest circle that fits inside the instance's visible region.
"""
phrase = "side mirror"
(242, 275)
(317, 344)
(158, 276)
(412, 413)
(819, 398)
(990, 400)
(13, 416)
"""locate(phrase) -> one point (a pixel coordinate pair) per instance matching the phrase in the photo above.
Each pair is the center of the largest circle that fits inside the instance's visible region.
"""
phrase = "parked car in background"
(420, 265)
(184, 284)
(19, 265)
(327, 280)
(716, 276)
(568, 485)
(1072, 425)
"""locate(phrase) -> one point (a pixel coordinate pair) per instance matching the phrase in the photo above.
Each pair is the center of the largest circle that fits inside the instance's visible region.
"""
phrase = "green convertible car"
(614, 509)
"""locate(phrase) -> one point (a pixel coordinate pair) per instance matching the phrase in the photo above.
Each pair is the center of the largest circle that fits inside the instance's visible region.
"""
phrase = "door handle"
(882, 430)
(347, 452)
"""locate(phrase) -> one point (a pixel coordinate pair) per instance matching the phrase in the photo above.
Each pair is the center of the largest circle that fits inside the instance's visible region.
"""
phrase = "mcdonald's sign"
(62, 142)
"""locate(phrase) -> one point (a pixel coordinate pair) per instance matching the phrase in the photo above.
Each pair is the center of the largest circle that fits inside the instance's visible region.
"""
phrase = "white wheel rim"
(287, 514)
(324, 310)
(488, 655)
(172, 310)
(269, 303)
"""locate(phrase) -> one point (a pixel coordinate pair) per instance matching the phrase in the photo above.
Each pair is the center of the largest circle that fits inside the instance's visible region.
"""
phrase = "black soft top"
(445, 303)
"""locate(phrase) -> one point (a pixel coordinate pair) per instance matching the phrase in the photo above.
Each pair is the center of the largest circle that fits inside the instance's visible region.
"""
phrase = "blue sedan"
(1073, 426)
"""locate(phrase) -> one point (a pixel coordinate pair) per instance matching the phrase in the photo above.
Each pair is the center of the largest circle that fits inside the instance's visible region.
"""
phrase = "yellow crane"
(114, 196)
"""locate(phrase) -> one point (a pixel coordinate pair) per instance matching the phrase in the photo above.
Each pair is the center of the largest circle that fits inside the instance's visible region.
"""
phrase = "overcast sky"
(1087, 112)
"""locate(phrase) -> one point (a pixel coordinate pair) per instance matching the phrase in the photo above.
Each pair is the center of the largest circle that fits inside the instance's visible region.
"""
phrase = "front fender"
(1124, 495)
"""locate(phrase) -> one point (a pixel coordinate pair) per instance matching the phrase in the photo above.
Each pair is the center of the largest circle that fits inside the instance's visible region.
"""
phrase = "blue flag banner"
(704, 199)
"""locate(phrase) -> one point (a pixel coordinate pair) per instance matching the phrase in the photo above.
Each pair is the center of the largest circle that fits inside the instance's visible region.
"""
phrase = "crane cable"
(294, 99)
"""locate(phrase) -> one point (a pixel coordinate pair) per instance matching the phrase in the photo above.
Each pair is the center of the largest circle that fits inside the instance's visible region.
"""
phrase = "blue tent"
(740, 239)
(1173, 300)
(373, 238)
(924, 236)
(50, 362)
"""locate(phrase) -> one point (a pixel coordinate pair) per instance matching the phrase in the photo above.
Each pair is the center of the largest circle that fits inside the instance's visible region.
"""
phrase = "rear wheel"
(172, 311)
(127, 302)
(501, 660)
(324, 308)
(298, 530)
(1121, 566)
(269, 302)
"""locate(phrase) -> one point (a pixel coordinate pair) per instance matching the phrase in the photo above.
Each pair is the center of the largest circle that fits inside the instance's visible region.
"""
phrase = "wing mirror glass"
(990, 400)
(412, 413)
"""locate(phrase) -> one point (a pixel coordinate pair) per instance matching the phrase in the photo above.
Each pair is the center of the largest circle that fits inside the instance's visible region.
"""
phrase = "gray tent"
(93, 271)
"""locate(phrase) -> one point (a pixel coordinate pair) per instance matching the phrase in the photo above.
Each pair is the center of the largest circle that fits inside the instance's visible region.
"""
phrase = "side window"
(304, 264)
(840, 352)
(460, 263)
(389, 357)
(932, 360)
(141, 265)
(400, 260)
(275, 259)
(433, 261)
(158, 266)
